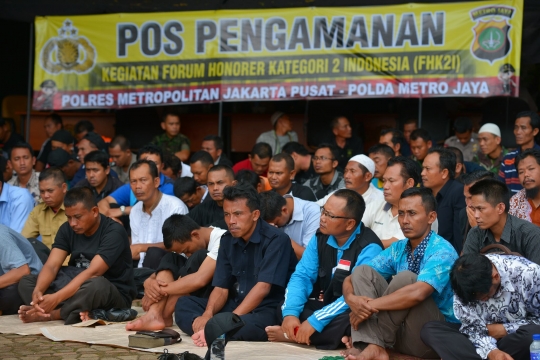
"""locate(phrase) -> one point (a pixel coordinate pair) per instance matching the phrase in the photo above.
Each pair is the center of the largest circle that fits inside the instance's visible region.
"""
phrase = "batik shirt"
(515, 304)
(32, 186)
(434, 268)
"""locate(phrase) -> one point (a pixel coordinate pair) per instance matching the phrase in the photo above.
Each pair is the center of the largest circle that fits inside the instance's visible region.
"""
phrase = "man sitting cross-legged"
(176, 274)
(392, 314)
(254, 264)
(341, 244)
(99, 247)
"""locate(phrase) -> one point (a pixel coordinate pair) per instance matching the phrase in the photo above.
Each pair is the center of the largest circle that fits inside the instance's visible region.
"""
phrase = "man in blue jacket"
(314, 311)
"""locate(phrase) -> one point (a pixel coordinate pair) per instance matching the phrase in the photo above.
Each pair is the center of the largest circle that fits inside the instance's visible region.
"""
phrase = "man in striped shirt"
(526, 127)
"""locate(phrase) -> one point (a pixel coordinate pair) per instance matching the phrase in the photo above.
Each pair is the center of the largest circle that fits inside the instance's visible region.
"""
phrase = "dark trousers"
(95, 293)
(449, 343)
(188, 308)
(330, 337)
(10, 300)
(181, 266)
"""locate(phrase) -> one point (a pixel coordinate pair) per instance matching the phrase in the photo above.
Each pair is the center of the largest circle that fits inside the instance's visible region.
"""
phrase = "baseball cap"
(275, 117)
(59, 157)
(366, 161)
(490, 128)
(63, 136)
(97, 140)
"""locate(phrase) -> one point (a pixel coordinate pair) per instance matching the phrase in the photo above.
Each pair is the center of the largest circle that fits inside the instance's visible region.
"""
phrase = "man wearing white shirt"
(148, 215)
(296, 217)
(381, 215)
(357, 176)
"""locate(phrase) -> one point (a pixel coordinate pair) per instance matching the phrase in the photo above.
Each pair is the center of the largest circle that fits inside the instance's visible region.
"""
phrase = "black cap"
(97, 140)
(59, 157)
(63, 136)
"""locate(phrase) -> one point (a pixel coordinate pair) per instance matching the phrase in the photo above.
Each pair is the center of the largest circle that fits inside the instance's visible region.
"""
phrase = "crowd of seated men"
(433, 251)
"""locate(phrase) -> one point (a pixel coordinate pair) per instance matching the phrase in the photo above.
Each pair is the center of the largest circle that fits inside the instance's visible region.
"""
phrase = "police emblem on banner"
(491, 41)
(68, 52)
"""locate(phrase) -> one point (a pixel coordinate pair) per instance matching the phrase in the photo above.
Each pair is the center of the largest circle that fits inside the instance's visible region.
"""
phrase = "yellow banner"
(412, 50)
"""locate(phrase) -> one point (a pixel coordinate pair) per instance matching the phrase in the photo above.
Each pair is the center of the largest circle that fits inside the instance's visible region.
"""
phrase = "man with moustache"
(491, 151)
(526, 202)
(329, 179)
(281, 174)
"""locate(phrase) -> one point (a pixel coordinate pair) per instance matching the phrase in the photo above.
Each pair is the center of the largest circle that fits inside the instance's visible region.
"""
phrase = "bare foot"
(148, 322)
(198, 338)
(371, 352)
(347, 341)
(276, 333)
(28, 314)
(85, 315)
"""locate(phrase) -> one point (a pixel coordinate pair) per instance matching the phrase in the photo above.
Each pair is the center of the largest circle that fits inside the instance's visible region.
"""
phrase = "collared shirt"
(450, 201)
(124, 196)
(208, 212)
(468, 149)
(146, 228)
(267, 257)
(32, 185)
(301, 284)
(488, 163)
(124, 175)
(302, 192)
(435, 267)
(223, 160)
(518, 235)
(111, 185)
(513, 305)
(508, 173)
(304, 221)
(16, 251)
(371, 194)
(15, 206)
(524, 208)
(172, 145)
(378, 217)
(321, 190)
(45, 222)
(277, 142)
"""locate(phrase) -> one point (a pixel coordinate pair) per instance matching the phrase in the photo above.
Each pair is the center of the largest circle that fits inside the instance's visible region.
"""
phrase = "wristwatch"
(123, 209)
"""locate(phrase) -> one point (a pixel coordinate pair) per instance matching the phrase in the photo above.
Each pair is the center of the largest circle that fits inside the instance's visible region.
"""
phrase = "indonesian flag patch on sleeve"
(344, 265)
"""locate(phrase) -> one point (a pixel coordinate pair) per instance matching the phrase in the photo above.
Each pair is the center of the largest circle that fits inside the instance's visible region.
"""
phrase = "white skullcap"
(366, 161)
(490, 128)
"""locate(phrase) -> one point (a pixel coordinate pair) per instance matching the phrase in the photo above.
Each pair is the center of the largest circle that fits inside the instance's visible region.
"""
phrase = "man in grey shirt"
(281, 134)
(490, 203)
(17, 258)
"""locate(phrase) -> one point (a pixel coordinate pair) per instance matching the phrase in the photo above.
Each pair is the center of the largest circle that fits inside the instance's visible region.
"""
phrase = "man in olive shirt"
(47, 217)
(490, 203)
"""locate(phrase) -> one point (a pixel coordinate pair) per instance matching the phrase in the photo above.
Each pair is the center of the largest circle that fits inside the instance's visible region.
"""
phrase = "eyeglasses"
(322, 158)
(328, 215)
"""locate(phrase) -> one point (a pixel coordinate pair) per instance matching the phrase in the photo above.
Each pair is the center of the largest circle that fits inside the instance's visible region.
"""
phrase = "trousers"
(330, 337)
(95, 293)
(399, 329)
(449, 343)
(188, 308)
(10, 301)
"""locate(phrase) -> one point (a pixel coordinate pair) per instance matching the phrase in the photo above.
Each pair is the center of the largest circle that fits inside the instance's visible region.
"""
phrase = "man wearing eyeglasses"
(341, 244)
(403, 287)
(329, 179)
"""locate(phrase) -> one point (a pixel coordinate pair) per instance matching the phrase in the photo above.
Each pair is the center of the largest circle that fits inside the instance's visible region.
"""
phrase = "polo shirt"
(435, 265)
(450, 201)
(304, 221)
(378, 217)
(45, 222)
(147, 228)
(245, 165)
(518, 235)
(124, 196)
(15, 206)
(507, 171)
(267, 257)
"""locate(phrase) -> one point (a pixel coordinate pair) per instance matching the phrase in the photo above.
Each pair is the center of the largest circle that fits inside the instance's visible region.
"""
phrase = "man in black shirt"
(303, 165)
(347, 144)
(98, 177)
(210, 210)
(100, 271)
(254, 264)
(281, 174)
(438, 174)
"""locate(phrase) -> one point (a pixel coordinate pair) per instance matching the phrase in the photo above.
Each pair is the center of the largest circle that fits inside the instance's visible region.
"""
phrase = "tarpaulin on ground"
(411, 50)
